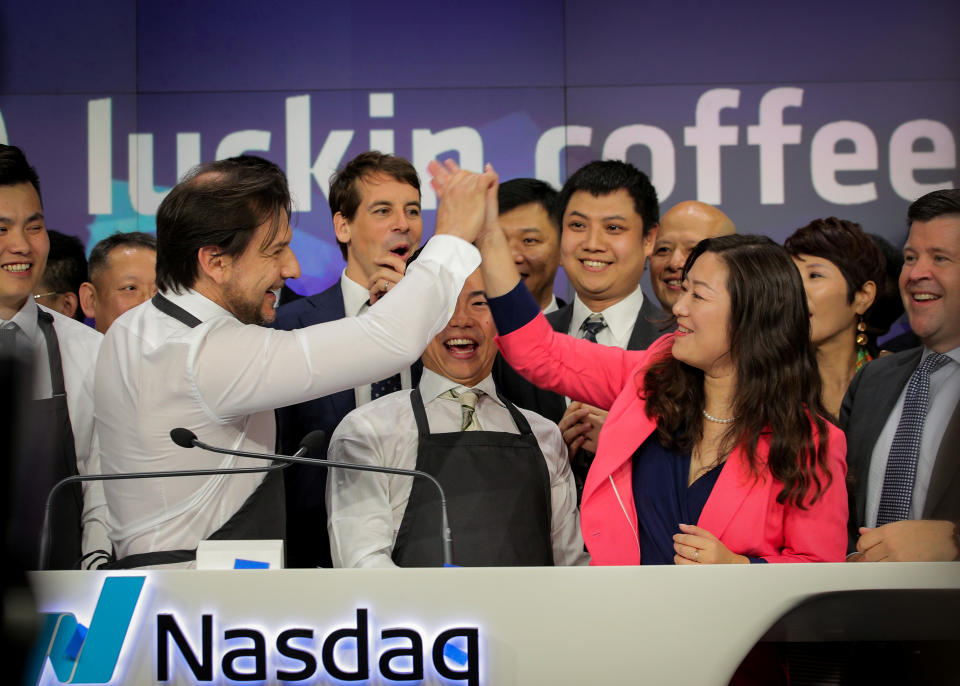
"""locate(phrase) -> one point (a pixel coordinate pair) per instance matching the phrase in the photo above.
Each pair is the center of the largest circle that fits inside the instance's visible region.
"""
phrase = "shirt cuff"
(513, 310)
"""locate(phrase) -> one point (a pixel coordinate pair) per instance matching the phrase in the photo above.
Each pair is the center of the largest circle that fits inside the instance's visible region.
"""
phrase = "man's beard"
(245, 310)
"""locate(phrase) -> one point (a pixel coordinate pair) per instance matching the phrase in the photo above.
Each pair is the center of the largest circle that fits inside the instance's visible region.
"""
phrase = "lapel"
(733, 489)
(560, 319)
(647, 328)
(878, 394)
(945, 471)
(327, 306)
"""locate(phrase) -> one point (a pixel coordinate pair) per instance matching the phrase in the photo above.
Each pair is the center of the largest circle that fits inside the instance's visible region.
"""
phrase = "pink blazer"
(742, 510)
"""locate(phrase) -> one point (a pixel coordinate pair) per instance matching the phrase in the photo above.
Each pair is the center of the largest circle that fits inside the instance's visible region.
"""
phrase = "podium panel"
(650, 625)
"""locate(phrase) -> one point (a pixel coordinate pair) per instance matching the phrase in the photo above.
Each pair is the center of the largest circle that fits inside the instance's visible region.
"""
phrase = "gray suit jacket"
(872, 395)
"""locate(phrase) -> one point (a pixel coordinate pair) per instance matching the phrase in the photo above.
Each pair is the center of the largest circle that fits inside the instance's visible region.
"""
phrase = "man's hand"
(909, 540)
(464, 197)
(392, 269)
(580, 426)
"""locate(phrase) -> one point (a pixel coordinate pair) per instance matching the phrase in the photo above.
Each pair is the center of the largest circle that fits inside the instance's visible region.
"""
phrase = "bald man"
(681, 228)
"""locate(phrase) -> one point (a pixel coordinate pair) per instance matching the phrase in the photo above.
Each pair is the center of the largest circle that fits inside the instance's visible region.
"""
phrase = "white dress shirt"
(222, 380)
(944, 395)
(366, 510)
(619, 317)
(78, 357)
(356, 299)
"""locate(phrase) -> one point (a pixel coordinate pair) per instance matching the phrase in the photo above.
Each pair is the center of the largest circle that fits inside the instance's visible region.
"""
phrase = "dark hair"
(888, 305)
(101, 251)
(66, 266)
(14, 169)
(344, 195)
(608, 176)
(933, 205)
(778, 383)
(519, 192)
(845, 244)
(217, 204)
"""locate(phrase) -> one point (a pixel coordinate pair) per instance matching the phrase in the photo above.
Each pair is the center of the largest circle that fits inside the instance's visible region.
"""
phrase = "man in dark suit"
(375, 202)
(609, 216)
(530, 223)
(901, 412)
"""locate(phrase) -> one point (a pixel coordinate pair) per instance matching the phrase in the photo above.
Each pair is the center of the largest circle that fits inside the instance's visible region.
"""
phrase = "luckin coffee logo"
(87, 655)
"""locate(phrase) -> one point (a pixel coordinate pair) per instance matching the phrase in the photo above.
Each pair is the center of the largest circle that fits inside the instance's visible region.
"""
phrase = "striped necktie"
(468, 408)
(591, 326)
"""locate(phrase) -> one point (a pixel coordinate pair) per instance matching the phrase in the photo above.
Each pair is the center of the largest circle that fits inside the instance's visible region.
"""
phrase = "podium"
(530, 626)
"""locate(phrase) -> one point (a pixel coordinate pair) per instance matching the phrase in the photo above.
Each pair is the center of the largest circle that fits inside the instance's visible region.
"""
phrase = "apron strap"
(175, 311)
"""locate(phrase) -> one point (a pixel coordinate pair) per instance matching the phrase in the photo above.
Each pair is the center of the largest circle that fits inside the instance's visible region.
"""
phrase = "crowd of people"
(756, 409)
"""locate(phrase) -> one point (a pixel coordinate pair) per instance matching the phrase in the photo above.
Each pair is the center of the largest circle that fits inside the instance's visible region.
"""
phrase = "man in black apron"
(505, 472)
(195, 357)
(56, 434)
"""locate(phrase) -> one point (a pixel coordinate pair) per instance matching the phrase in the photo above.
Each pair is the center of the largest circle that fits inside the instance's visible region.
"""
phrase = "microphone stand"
(446, 536)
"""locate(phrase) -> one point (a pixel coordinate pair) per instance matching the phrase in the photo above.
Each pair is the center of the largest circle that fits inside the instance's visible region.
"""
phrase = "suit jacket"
(522, 393)
(307, 541)
(871, 398)
(742, 510)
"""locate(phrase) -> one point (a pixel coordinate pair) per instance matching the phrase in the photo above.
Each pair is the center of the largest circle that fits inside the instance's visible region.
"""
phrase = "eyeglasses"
(37, 296)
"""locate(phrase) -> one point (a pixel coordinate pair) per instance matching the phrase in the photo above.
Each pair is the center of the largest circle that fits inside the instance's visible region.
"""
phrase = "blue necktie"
(901, 471)
(592, 325)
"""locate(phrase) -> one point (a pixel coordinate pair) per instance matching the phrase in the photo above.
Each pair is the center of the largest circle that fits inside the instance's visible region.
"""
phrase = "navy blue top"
(513, 310)
(664, 500)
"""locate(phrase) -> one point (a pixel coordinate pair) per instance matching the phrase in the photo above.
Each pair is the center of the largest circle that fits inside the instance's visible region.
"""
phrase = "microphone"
(313, 443)
(182, 439)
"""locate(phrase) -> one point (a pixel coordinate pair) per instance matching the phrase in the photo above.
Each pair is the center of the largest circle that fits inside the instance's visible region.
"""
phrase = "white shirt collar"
(197, 304)
(432, 385)
(552, 306)
(26, 319)
(355, 296)
(619, 317)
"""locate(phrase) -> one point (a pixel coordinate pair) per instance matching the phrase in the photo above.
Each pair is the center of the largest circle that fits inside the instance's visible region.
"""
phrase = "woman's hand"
(699, 546)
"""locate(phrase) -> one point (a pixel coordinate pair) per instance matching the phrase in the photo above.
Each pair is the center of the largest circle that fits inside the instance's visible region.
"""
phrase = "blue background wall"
(112, 101)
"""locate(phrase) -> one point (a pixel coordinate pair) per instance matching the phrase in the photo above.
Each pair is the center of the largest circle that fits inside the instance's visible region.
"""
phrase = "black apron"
(262, 515)
(51, 457)
(498, 495)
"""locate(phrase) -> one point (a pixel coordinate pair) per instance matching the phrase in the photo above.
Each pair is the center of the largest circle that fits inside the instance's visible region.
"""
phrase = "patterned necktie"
(389, 385)
(901, 471)
(468, 406)
(591, 326)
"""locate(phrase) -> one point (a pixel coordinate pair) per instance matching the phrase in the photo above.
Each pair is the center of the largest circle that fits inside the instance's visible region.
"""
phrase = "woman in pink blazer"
(720, 421)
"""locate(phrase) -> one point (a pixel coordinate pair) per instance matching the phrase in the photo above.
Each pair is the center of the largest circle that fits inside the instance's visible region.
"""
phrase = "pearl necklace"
(717, 419)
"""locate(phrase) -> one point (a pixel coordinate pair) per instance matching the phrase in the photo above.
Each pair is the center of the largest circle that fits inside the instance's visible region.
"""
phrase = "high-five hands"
(466, 199)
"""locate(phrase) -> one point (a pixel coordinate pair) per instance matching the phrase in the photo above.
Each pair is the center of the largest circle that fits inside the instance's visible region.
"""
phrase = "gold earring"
(862, 336)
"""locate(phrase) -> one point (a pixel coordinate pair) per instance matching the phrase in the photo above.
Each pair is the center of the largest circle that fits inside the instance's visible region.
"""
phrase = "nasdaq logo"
(87, 655)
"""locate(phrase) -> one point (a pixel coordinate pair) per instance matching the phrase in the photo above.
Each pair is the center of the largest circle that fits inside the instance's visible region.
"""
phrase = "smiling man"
(64, 352)
(901, 412)
(375, 203)
(507, 480)
(681, 228)
(609, 216)
(196, 357)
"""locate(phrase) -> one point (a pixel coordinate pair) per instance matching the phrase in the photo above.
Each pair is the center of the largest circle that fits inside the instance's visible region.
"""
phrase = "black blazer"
(651, 323)
(307, 541)
(872, 395)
